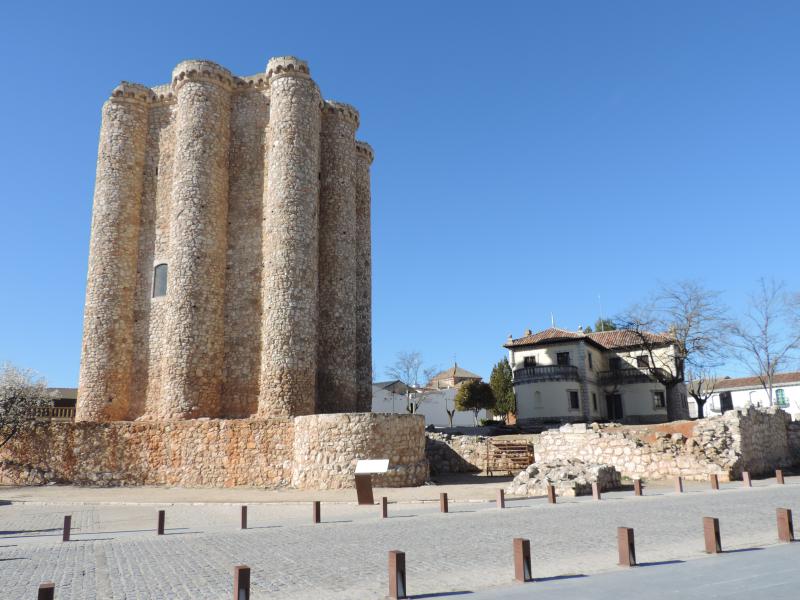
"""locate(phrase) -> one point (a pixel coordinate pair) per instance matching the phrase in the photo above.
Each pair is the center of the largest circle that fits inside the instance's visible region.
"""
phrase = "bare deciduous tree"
(767, 338)
(409, 368)
(694, 319)
(701, 385)
(23, 396)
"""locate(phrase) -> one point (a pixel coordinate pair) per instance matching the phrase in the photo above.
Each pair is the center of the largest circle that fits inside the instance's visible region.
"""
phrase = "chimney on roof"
(580, 328)
(528, 332)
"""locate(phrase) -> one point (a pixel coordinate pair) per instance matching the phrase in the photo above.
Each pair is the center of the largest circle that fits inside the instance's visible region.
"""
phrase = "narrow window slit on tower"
(160, 280)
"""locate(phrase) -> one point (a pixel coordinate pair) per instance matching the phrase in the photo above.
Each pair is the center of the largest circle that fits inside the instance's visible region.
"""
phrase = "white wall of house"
(550, 399)
(545, 355)
(433, 408)
(756, 396)
(545, 400)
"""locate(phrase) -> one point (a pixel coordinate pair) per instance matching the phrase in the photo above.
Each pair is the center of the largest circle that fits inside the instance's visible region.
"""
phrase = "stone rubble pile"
(570, 477)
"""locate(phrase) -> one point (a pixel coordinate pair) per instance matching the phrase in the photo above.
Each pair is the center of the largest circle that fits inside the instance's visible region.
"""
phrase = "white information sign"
(380, 465)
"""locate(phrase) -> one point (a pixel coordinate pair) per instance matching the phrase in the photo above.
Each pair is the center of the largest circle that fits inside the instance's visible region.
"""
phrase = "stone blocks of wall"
(315, 452)
(448, 453)
(190, 453)
(754, 440)
(327, 447)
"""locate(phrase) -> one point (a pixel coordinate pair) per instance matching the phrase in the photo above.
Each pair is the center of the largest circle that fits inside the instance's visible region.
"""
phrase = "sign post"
(364, 471)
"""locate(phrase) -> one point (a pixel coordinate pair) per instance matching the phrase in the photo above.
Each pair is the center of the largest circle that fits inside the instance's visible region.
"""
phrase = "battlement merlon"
(287, 66)
(127, 91)
(365, 150)
(342, 110)
(201, 70)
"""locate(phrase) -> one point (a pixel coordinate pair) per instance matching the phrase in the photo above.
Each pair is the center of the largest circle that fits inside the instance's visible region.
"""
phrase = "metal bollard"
(316, 511)
(67, 528)
(161, 518)
(711, 535)
(551, 493)
(241, 582)
(397, 575)
(522, 560)
(596, 491)
(443, 504)
(625, 546)
(637, 487)
(746, 479)
(779, 476)
(501, 499)
(679, 485)
(384, 507)
(785, 525)
(714, 482)
(244, 517)
(47, 591)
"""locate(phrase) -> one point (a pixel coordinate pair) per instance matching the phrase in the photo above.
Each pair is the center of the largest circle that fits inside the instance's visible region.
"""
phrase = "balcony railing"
(622, 376)
(57, 413)
(546, 373)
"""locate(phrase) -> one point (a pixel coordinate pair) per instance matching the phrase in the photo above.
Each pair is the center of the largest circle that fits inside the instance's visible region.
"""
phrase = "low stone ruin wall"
(218, 452)
(569, 478)
(326, 448)
(449, 453)
(195, 453)
(754, 440)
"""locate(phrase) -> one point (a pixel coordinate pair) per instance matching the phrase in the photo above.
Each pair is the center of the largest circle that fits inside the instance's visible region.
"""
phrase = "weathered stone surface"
(568, 477)
(449, 453)
(261, 216)
(754, 440)
(315, 452)
(327, 447)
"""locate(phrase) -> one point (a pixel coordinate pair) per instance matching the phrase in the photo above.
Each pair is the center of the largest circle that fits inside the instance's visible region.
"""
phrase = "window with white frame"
(659, 399)
(574, 400)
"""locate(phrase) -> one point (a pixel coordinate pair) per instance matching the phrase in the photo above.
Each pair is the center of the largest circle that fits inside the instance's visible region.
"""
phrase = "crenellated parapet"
(287, 66)
(231, 236)
(132, 92)
(341, 110)
(365, 151)
(201, 70)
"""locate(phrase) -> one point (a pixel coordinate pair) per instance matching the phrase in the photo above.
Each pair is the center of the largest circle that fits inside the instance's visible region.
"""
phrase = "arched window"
(160, 280)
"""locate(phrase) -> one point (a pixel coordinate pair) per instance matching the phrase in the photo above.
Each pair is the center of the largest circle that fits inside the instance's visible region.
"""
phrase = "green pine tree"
(503, 388)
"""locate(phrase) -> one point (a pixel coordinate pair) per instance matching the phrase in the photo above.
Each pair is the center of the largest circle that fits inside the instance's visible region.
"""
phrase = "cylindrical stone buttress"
(107, 353)
(364, 157)
(336, 354)
(193, 361)
(287, 385)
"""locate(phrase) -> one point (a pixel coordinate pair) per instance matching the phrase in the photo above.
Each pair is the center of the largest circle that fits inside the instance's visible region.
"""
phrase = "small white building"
(567, 376)
(436, 398)
(732, 393)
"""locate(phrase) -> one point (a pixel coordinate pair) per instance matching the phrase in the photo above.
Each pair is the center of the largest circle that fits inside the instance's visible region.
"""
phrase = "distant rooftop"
(609, 340)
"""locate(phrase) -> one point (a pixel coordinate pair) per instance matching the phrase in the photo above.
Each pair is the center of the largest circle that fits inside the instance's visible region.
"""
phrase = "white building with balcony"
(572, 376)
(732, 393)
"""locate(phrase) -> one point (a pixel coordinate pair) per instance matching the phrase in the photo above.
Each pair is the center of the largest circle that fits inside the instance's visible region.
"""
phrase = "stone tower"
(229, 265)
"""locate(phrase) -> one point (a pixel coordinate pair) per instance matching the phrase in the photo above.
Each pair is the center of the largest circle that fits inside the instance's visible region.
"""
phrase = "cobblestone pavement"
(115, 553)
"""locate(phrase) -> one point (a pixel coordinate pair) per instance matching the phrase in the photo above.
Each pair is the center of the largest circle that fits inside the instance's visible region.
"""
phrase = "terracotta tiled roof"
(458, 372)
(623, 338)
(754, 382)
(620, 338)
(554, 334)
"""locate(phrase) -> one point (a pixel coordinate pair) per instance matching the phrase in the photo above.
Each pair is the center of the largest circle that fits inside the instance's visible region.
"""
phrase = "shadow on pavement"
(442, 594)
(660, 563)
(558, 577)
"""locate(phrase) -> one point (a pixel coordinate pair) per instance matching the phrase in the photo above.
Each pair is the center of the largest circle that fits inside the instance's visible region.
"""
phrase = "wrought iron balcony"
(622, 376)
(546, 373)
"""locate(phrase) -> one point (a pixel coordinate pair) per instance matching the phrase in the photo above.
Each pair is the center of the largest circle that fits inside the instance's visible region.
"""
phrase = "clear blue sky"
(529, 155)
